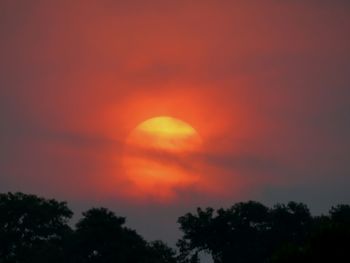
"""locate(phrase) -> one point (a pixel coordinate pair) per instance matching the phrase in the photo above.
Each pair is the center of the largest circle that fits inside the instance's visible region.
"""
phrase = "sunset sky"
(264, 87)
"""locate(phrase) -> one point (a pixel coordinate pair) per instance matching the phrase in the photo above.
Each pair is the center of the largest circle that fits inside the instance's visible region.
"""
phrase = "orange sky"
(265, 84)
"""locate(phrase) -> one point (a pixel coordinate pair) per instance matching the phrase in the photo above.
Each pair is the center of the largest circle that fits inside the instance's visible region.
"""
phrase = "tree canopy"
(251, 232)
(101, 237)
(35, 229)
(32, 229)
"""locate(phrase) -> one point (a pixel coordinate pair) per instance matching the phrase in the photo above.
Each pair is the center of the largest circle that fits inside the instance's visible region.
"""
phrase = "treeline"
(35, 230)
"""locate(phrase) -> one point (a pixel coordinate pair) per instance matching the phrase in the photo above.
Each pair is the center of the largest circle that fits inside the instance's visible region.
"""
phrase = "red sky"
(265, 84)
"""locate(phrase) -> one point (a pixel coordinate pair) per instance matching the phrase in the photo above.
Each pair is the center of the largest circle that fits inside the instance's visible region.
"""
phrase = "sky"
(265, 84)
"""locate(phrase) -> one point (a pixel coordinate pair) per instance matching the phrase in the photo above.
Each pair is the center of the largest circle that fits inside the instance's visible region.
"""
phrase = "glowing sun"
(158, 157)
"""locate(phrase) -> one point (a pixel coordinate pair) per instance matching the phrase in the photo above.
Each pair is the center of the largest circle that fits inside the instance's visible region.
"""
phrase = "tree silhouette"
(161, 253)
(229, 235)
(32, 229)
(327, 242)
(290, 224)
(340, 215)
(101, 237)
(247, 232)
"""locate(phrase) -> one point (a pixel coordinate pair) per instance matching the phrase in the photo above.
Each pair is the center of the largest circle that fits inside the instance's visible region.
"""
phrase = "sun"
(166, 134)
(158, 156)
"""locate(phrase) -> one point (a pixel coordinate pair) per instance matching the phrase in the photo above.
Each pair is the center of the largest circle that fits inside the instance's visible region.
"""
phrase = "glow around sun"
(157, 156)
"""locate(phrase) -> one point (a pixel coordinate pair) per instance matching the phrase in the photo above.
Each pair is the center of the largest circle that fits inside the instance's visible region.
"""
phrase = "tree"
(197, 230)
(32, 229)
(231, 235)
(245, 233)
(161, 253)
(290, 224)
(340, 214)
(328, 240)
(101, 237)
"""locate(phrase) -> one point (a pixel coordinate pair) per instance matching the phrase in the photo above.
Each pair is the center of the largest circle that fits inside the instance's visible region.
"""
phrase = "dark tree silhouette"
(245, 233)
(32, 229)
(101, 237)
(290, 224)
(161, 253)
(340, 215)
(328, 242)
(231, 235)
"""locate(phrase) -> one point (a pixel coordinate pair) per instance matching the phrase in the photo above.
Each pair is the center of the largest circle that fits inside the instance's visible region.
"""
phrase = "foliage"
(101, 237)
(328, 241)
(246, 232)
(34, 229)
(161, 253)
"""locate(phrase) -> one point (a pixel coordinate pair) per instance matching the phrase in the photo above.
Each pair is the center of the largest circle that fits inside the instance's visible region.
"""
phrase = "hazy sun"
(157, 157)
